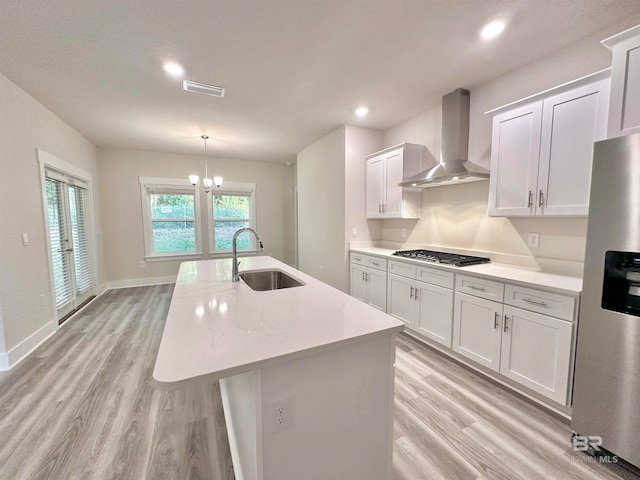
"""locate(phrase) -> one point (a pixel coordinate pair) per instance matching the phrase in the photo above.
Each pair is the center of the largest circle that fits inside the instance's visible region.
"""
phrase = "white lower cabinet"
(368, 280)
(425, 308)
(477, 329)
(536, 352)
(530, 348)
(523, 334)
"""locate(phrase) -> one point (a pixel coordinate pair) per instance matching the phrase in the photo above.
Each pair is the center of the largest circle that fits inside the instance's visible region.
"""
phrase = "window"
(230, 208)
(171, 219)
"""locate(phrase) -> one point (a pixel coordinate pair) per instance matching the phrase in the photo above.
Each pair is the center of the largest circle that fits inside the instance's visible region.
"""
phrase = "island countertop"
(216, 328)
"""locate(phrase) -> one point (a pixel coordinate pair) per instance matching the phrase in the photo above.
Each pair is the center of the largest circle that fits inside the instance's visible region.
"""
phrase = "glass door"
(71, 262)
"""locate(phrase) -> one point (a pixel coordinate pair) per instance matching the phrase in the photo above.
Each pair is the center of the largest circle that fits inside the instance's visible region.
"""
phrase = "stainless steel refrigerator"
(606, 399)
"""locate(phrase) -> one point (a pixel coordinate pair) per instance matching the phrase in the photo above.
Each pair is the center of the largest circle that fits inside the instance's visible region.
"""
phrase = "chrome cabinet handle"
(366, 277)
(530, 202)
(375, 263)
(411, 293)
(415, 294)
(536, 302)
(495, 321)
(479, 289)
(506, 327)
(363, 276)
(357, 259)
(382, 208)
(541, 199)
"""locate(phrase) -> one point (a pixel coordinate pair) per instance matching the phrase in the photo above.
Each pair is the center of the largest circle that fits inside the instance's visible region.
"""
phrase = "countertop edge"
(170, 385)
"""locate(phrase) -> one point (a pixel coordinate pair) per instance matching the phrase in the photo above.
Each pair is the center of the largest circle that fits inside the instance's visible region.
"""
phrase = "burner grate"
(442, 257)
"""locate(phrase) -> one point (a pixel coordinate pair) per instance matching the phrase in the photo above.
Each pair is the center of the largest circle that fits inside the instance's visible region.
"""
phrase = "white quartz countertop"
(216, 328)
(495, 271)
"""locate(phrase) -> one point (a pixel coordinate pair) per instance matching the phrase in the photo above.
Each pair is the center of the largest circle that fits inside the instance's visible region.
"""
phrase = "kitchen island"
(306, 372)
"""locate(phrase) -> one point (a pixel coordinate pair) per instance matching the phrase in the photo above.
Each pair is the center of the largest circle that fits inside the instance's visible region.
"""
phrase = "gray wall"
(119, 171)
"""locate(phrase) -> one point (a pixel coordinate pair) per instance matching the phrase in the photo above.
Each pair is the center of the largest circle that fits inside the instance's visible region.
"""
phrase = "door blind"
(56, 217)
(81, 253)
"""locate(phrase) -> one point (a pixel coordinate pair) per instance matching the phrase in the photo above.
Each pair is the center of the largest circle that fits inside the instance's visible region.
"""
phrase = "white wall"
(456, 216)
(26, 125)
(321, 211)
(120, 170)
(331, 202)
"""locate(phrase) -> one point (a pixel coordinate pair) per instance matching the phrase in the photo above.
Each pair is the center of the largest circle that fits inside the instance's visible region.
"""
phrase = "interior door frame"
(47, 160)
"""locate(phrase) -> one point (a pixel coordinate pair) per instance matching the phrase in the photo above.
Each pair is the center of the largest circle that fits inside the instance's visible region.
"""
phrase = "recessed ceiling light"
(492, 30)
(362, 111)
(173, 69)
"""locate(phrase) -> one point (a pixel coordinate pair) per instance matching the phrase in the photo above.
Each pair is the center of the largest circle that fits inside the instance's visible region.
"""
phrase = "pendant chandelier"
(207, 183)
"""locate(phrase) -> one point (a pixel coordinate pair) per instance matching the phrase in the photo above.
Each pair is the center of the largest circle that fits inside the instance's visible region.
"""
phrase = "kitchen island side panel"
(341, 414)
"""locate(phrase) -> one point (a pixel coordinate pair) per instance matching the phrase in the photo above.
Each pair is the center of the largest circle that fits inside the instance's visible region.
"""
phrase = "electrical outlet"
(280, 413)
(142, 264)
(354, 232)
(403, 232)
(533, 240)
(43, 302)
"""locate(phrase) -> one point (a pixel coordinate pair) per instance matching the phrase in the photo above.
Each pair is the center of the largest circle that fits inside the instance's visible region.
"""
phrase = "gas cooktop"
(441, 257)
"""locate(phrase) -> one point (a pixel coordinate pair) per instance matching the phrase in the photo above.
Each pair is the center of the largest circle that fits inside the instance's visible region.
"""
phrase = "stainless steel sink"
(262, 280)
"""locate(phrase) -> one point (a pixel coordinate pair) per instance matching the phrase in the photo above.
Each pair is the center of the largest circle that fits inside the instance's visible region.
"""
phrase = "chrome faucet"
(235, 277)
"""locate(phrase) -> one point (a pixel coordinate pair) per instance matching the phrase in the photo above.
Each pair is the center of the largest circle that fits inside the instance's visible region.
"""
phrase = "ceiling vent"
(196, 87)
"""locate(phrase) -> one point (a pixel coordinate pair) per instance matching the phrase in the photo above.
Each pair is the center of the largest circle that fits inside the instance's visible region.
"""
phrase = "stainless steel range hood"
(453, 167)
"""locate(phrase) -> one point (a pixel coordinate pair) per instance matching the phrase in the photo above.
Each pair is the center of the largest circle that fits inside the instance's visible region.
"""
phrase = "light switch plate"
(25, 239)
(533, 240)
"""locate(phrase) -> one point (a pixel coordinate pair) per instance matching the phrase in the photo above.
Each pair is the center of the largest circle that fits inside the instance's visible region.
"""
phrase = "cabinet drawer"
(377, 263)
(403, 269)
(480, 287)
(435, 276)
(358, 258)
(553, 304)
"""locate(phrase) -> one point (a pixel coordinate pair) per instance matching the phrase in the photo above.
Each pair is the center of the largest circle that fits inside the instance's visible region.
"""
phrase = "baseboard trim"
(139, 282)
(10, 359)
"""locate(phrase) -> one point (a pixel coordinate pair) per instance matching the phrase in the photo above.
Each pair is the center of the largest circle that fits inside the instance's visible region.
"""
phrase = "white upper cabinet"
(624, 107)
(387, 168)
(541, 152)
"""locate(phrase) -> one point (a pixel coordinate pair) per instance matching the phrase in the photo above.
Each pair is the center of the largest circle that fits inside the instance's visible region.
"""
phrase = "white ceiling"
(293, 69)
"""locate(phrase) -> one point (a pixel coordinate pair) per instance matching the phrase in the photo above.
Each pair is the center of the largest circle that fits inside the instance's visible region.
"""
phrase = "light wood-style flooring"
(82, 406)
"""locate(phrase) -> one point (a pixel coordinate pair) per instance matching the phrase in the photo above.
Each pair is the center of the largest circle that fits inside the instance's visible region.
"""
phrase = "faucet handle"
(261, 246)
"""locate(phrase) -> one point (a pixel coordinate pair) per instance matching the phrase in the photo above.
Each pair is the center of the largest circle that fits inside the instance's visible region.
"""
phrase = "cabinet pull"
(495, 321)
(411, 293)
(530, 202)
(382, 208)
(366, 277)
(379, 208)
(539, 303)
(415, 294)
(375, 263)
(506, 327)
(363, 277)
(541, 199)
(357, 259)
(479, 289)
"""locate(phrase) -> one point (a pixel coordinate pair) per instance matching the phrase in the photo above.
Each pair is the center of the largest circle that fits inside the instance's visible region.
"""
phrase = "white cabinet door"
(477, 329)
(536, 352)
(624, 111)
(571, 122)
(377, 288)
(392, 206)
(515, 148)
(434, 317)
(400, 299)
(375, 186)
(357, 283)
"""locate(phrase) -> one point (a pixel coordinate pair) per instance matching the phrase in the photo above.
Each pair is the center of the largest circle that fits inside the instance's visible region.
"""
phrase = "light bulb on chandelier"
(207, 183)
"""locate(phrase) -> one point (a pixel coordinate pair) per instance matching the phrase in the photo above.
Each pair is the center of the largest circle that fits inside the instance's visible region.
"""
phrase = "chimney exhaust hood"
(453, 168)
